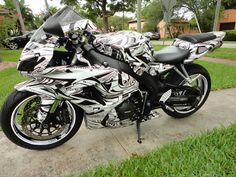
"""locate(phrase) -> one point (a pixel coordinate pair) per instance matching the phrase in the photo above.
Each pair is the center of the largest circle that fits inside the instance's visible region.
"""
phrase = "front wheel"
(20, 124)
(201, 80)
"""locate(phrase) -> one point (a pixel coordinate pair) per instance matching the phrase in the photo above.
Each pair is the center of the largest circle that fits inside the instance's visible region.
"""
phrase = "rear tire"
(175, 79)
(18, 133)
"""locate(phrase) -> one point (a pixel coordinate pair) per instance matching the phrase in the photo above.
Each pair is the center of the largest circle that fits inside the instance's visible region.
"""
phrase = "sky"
(38, 5)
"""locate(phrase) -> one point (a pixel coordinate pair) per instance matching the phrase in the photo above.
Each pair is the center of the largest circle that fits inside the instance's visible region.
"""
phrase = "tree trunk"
(16, 3)
(139, 25)
(217, 14)
(104, 15)
(169, 30)
(47, 6)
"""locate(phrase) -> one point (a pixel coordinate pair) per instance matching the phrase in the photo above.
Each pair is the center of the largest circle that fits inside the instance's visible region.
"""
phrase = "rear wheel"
(201, 81)
(20, 124)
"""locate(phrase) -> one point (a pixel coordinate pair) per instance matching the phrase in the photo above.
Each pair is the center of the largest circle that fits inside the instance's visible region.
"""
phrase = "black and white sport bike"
(110, 80)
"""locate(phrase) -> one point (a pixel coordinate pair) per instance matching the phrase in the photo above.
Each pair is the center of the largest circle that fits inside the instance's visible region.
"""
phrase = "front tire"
(203, 83)
(19, 122)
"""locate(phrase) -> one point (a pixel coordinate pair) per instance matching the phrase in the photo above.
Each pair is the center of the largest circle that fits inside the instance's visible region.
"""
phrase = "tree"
(19, 14)
(104, 8)
(228, 4)
(92, 15)
(70, 2)
(152, 13)
(28, 16)
(119, 23)
(38, 19)
(8, 24)
(51, 9)
(115, 23)
(26, 12)
(204, 11)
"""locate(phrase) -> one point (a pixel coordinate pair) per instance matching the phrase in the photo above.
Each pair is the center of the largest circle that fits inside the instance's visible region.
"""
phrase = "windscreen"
(66, 17)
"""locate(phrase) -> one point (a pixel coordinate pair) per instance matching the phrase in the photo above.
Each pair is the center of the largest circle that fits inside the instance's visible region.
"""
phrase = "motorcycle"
(108, 80)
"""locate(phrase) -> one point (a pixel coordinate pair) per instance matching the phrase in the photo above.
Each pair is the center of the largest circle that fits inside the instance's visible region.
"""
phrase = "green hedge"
(230, 35)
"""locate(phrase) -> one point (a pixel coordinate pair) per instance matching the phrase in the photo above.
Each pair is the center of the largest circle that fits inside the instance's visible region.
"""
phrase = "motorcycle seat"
(171, 55)
(197, 38)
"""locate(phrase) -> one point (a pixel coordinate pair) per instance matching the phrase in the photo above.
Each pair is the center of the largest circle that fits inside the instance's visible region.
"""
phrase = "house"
(3, 13)
(178, 26)
(228, 20)
(181, 26)
(133, 24)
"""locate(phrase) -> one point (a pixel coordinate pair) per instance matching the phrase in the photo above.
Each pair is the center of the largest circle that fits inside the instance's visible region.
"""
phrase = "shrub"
(230, 35)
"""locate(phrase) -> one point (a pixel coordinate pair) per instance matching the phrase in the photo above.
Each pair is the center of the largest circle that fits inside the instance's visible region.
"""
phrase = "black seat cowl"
(198, 37)
(171, 55)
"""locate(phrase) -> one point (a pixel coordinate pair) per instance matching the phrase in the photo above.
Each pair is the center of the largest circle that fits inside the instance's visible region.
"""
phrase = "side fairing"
(71, 80)
(96, 90)
(74, 72)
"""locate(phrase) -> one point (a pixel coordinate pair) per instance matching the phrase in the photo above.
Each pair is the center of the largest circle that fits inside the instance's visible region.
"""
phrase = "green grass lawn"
(8, 78)
(210, 154)
(222, 75)
(10, 55)
(226, 53)
(158, 47)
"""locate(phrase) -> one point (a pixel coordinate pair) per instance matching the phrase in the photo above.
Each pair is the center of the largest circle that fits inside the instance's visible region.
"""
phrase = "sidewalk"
(4, 65)
(220, 60)
(169, 42)
(93, 147)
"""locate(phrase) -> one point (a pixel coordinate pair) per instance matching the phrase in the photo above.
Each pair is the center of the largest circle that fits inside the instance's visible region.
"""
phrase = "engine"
(122, 115)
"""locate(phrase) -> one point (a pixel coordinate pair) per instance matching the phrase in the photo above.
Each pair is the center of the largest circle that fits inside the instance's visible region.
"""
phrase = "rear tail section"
(200, 44)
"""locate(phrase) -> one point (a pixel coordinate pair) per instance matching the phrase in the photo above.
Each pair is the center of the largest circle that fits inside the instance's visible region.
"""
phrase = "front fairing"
(35, 57)
(39, 50)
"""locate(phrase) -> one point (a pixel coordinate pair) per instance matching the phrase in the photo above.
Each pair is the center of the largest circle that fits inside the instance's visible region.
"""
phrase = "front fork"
(48, 106)
(49, 99)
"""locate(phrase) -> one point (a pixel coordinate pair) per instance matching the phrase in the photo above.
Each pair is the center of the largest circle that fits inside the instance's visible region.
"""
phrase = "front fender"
(35, 86)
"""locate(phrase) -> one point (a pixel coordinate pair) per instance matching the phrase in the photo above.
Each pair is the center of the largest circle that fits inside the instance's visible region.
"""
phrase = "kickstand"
(138, 123)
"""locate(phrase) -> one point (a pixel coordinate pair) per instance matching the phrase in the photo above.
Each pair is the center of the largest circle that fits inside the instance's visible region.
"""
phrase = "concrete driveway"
(92, 147)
